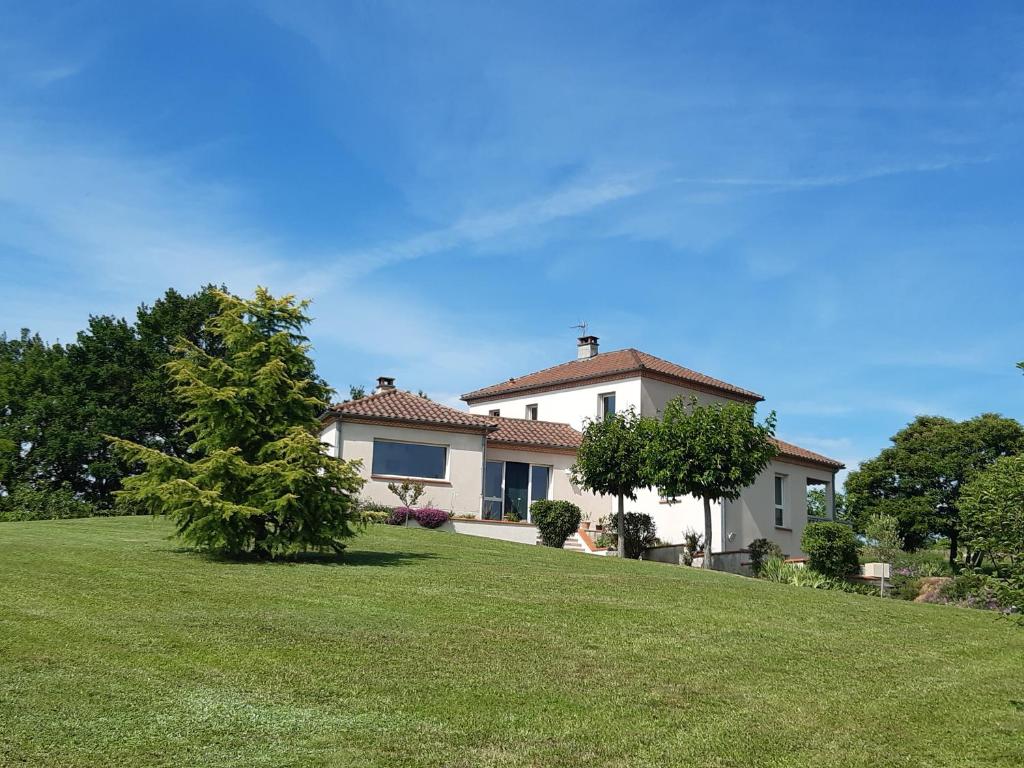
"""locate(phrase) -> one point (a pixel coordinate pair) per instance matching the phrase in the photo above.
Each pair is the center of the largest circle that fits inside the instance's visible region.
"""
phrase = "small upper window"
(780, 501)
(494, 412)
(606, 404)
(531, 411)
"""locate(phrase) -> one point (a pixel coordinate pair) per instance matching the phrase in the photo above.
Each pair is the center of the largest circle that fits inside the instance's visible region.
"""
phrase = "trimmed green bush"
(641, 533)
(831, 549)
(760, 551)
(556, 520)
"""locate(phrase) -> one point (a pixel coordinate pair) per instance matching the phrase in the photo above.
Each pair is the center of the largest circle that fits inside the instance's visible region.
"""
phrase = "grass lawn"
(423, 648)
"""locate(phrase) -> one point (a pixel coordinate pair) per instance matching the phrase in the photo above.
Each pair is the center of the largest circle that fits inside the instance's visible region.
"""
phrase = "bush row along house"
(517, 443)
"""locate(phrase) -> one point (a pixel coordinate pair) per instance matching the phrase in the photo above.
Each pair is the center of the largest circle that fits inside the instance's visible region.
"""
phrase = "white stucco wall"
(591, 505)
(752, 516)
(329, 435)
(656, 394)
(459, 493)
(573, 405)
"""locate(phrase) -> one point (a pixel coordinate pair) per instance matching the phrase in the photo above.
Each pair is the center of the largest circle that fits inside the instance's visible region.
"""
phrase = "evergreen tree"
(256, 479)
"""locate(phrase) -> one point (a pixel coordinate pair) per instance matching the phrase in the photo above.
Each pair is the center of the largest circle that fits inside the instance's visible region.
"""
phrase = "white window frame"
(535, 411)
(447, 461)
(601, 399)
(779, 483)
(494, 412)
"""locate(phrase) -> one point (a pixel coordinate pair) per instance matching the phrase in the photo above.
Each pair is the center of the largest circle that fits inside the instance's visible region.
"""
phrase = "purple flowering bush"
(430, 518)
(399, 516)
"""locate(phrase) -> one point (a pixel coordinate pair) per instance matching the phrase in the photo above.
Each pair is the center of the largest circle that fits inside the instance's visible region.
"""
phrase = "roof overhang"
(395, 421)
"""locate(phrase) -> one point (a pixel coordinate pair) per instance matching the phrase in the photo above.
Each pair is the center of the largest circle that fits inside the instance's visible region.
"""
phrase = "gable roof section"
(790, 451)
(406, 408)
(608, 366)
(542, 434)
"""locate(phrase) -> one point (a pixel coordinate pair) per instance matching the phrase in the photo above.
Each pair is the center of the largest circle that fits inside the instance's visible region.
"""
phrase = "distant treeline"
(59, 401)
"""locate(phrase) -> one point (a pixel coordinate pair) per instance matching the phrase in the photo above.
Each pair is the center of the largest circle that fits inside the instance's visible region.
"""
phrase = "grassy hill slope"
(427, 648)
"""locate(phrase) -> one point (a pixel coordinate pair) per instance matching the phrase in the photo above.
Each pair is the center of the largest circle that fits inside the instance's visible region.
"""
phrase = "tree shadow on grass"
(356, 557)
(346, 557)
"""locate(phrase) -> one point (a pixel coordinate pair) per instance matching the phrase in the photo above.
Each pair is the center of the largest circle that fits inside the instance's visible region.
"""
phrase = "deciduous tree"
(992, 510)
(709, 451)
(918, 478)
(611, 461)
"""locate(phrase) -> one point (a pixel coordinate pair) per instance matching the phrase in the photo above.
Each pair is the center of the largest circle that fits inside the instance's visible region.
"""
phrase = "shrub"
(399, 516)
(971, 589)
(692, 544)
(760, 551)
(429, 517)
(556, 520)
(831, 549)
(374, 512)
(779, 571)
(641, 533)
(27, 503)
(905, 587)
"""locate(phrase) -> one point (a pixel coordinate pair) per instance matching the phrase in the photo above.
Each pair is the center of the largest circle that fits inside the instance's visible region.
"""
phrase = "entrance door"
(517, 489)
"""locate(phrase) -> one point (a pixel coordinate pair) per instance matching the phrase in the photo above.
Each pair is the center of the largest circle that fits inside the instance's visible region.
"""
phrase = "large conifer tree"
(256, 479)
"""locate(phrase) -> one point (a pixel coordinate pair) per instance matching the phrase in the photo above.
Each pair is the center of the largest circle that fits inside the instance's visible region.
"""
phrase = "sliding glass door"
(511, 486)
(517, 490)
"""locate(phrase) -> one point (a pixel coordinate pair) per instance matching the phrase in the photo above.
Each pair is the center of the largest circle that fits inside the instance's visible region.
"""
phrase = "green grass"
(118, 648)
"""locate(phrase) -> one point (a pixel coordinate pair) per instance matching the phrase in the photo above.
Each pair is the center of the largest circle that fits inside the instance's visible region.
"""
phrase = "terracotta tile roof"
(788, 450)
(397, 405)
(607, 366)
(540, 433)
(404, 407)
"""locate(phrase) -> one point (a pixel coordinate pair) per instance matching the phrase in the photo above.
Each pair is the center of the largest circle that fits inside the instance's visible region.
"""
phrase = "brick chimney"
(384, 383)
(586, 346)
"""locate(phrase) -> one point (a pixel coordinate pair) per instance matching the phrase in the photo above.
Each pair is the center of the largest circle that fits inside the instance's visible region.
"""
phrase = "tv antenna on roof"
(582, 325)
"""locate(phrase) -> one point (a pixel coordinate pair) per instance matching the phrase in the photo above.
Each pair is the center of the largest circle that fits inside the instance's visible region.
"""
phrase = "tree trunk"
(620, 524)
(707, 533)
(952, 548)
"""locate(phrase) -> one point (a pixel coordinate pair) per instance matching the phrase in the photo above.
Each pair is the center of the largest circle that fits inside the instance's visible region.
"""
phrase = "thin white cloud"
(828, 180)
(483, 228)
(117, 229)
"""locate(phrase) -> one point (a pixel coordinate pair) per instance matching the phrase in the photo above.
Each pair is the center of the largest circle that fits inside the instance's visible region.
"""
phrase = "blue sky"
(822, 202)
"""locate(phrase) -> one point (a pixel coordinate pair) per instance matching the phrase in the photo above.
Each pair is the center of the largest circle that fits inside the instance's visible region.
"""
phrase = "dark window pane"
(778, 491)
(492, 509)
(539, 477)
(608, 405)
(517, 478)
(778, 517)
(409, 459)
(492, 480)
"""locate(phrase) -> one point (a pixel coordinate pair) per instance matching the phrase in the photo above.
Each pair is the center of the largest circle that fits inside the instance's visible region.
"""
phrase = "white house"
(518, 441)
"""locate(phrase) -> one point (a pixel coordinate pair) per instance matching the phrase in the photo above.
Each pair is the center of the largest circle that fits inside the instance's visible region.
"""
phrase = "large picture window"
(409, 459)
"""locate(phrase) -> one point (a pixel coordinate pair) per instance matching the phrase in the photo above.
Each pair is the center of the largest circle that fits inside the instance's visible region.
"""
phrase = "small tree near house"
(709, 451)
(611, 461)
